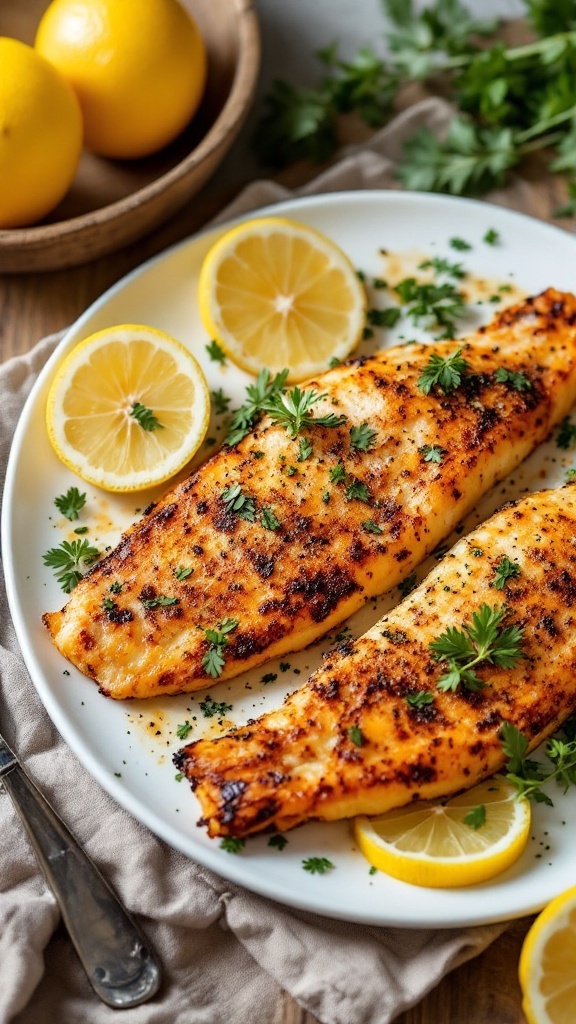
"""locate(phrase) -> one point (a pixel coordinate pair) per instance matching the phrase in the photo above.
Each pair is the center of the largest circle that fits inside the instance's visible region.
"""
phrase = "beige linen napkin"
(226, 953)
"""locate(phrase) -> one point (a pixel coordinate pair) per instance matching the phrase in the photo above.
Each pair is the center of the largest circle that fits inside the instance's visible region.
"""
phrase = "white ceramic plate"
(128, 747)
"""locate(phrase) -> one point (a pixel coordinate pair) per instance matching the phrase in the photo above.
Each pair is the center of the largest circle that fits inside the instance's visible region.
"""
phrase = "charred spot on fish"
(395, 636)
(148, 593)
(345, 648)
(324, 590)
(225, 520)
(492, 720)
(358, 552)
(424, 713)
(119, 615)
(231, 793)
(402, 555)
(563, 585)
(86, 640)
(416, 773)
(476, 748)
(329, 690)
(166, 678)
(263, 564)
(198, 549)
(547, 622)
(149, 508)
(202, 507)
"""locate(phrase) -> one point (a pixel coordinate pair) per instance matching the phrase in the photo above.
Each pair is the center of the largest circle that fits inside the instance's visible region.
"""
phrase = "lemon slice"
(548, 964)
(276, 293)
(430, 843)
(128, 407)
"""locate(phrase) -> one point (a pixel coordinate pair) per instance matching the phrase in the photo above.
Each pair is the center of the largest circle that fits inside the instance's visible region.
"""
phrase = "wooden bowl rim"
(243, 86)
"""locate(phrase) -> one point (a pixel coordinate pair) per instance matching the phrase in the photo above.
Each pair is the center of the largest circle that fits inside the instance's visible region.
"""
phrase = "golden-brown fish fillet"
(350, 743)
(350, 523)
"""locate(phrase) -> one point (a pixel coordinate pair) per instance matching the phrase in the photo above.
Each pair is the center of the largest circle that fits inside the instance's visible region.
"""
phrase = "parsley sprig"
(71, 503)
(438, 305)
(145, 417)
(213, 660)
(293, 410)
(446, 372)
(481, 641)
(69, 561)
(528, 775)
(250, 412)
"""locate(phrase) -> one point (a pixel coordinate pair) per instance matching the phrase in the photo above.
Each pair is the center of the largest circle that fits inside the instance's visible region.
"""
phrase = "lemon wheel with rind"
(128, 408)
(547, 968)
(276, 293)
(430, 843)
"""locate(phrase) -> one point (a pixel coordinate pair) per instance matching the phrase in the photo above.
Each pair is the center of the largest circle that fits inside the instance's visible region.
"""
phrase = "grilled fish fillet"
(336, 543)
(349, 743)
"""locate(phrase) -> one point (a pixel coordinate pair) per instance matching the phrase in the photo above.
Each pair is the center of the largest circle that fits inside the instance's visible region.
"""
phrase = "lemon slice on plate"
(548, 964)
(276, 293)
(128, 407)
(461, 841)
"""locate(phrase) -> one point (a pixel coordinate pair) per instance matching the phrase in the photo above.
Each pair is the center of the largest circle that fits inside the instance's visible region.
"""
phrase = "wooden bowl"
(113, 202)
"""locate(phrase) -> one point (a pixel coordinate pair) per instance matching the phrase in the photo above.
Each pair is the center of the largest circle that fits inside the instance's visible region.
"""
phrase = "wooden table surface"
(484, 990)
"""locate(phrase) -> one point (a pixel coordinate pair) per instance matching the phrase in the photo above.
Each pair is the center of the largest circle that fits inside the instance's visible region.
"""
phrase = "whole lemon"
(138, 68)
(40, 135)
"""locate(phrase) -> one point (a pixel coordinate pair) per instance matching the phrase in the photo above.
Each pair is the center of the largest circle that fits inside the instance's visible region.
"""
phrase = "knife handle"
(119, 963)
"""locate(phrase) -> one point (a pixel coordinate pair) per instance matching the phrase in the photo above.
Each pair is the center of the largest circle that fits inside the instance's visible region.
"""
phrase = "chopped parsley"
(268, 518)
(159, 601)
(213, 660)
(445, 372)
(211, 708)
(183, 572)
(362, 437)
(257, 394)
(293, 411)
(443, 266)
(184, 729)
(460, 244)
(482, 640)
(357, 491)
(317, 865)
(220, 401)
(432, 453)
(517, 381)
(239, 503)
(492, 237)
(337, 474)
(71, 503)
(529, 776)
(278, 841)
(232, 844)
(109, 604)
(476, 817)
(505, 570)
(116, 587)
(407, 586)
(420, 699)
(145, 417)
(371, 527)
(383, 317)
(566, 437)
(439, 304)
(305, 449)
(216, 353)
(69, 560)
(355, 735)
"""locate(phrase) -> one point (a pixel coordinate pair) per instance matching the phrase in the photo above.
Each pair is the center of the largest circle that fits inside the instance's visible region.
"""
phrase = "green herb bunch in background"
(510, 101)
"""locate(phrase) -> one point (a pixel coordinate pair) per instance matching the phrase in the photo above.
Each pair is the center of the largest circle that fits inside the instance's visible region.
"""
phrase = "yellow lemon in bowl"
(40, 135)
(138, 69)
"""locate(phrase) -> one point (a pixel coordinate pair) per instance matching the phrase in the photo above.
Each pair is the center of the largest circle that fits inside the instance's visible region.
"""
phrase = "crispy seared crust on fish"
(331, 550)
(301, 762)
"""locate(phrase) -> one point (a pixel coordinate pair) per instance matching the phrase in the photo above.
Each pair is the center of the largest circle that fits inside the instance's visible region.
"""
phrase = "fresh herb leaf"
(491, 237)
(362, 437)
(184, 729)
(145, 417)
(183, 572)
(439, 305)
(160, 601)
(69, 561)
(239, 503)
(357, 490)
(211, 708)
(232, 844)
(420, 699)
(317, 865)
(71, 503)
(337, 474)
(355, 735)
(476, 817)
(443, 266)
(293, 411)
(305, 449)
(116, 587)
(383, 317)
(220, 401)
(268, 518)
(216, 353)
(505, 570)
(445, 372)
(517, 381)
(460, 244)
(278, 841)
(109, 604)
(528, 775)
(471, 159)
(248, 415)
(483, 640)
(213, 660)
(371, 527)
(432, 453)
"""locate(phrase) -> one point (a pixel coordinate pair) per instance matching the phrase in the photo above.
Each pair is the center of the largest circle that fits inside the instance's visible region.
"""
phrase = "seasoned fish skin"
(286, 587)
(301, 762)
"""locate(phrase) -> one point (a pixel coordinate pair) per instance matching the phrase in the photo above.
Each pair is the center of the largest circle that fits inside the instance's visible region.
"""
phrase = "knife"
(118, 960)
